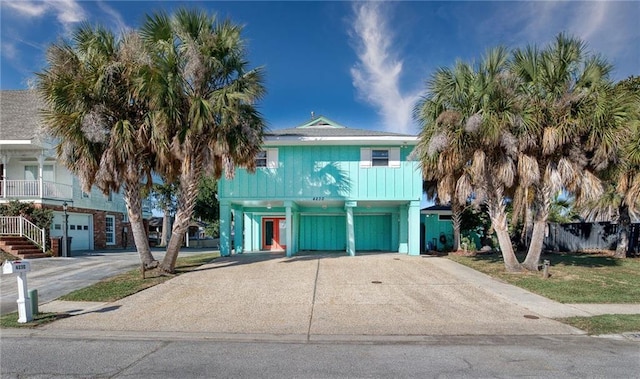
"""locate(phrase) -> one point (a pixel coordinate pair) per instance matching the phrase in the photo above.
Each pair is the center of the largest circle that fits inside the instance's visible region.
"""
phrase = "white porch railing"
(20, 226)
(11, 189)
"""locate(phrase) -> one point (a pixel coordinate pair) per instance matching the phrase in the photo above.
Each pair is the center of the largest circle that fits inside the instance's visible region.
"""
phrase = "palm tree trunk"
(134, 209)
(624, 221)
(498, 215)
(189, 179)
(165, 228)
(543, 201)
(456, 218)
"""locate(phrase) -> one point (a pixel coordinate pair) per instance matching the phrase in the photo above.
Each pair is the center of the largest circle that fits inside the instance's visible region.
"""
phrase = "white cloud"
(608, 27)
(27, 8)
(67, 12)
(376, 75)
(118, 23)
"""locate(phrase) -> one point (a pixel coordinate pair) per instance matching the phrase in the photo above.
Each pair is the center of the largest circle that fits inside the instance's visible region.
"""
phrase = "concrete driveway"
(321, 297)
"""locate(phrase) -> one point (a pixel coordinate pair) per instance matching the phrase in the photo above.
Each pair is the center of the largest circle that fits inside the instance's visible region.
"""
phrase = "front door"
(273, 233)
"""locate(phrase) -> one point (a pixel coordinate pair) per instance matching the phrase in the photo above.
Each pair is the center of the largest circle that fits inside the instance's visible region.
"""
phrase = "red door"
(273, 233)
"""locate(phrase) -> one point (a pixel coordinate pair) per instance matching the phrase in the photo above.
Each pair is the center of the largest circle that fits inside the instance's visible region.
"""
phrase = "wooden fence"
(589, 236)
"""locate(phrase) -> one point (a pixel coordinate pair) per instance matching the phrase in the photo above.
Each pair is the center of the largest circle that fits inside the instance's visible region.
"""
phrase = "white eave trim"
(360, 140)
(15, 142)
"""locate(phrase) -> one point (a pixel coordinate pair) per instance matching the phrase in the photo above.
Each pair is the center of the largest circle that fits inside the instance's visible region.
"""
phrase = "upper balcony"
(34, 189)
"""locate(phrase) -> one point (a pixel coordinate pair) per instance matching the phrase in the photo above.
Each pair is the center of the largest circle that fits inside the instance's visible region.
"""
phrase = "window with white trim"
(267, 158)
(110, 230)
(379, 157)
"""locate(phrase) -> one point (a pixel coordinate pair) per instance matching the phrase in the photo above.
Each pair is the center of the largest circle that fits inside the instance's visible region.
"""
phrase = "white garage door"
(80, 229)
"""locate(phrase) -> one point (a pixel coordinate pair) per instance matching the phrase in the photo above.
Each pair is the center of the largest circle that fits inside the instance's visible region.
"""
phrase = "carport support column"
(288, 236)
(403, 232)
(351, 237)
(238, 219)
(225, 229)
(414, 228)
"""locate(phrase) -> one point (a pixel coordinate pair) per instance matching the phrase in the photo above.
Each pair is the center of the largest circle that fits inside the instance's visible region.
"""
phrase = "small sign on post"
(20, 268)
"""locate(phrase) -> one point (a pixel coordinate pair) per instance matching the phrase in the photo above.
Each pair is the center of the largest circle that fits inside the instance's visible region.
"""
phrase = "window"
(110, 230)
(379, 157)
(261, 159)
(267, 158)
(31, 172)
(85, 195)
(110, 196)
(445, 217)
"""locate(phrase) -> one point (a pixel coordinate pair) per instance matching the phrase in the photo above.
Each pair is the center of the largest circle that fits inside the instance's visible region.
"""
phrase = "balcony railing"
(20, 189)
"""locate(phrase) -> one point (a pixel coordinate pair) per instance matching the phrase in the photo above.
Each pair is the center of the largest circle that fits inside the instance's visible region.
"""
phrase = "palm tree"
(563, 86)
(467, 144)
(101, 125)
(618, 120)
(203, 99)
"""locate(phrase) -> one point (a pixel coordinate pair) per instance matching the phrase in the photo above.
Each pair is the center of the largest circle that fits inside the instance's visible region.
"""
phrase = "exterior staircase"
(20, 247)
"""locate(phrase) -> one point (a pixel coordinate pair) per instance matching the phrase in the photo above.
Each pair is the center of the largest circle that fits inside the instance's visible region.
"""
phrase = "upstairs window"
(267, 158)
(379, 157)
(261, 159)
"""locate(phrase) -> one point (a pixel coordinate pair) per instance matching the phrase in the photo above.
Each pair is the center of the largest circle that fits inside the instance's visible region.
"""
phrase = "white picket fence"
(20, 226)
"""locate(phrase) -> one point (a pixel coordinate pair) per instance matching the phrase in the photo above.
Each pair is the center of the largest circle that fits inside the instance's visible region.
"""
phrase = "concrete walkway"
(326, 297)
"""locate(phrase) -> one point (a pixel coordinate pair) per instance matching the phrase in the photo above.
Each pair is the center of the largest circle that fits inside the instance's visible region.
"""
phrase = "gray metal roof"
(19, 114)
(330, 132)
(321, 126)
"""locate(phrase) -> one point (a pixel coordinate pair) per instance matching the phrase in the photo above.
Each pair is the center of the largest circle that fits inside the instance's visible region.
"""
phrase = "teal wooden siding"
(322, 233)
(373, 232)
(330, 172)
(434, 228)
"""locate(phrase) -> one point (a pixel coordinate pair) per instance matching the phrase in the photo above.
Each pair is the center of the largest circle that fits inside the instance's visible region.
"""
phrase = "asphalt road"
(447, 356)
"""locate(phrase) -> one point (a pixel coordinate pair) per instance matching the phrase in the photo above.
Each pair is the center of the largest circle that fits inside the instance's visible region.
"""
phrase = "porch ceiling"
(320, 204)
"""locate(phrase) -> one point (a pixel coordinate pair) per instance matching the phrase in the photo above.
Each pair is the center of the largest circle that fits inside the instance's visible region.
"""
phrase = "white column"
(40, 182)
(5, 162)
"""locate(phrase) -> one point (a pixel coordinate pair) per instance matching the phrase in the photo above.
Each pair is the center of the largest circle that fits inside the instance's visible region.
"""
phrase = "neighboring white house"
(29, 172)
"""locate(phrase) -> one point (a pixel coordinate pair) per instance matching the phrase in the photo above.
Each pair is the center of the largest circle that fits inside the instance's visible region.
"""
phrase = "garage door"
(80, 229)
(326, 233)
(372, 232)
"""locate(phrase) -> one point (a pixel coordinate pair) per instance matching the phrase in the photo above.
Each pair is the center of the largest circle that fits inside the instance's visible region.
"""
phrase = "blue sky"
(360, 64)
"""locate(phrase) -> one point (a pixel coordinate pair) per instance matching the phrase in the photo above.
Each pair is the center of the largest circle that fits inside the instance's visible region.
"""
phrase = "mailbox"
(20, 268)
(15, 267)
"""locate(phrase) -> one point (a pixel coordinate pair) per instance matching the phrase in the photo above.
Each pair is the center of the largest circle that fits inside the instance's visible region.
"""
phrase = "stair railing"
(20, 226)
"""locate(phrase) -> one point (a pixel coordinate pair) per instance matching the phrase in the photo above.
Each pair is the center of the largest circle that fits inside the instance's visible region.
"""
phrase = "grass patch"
(128, 283)
(10, 320)
(575, 278)
(605, 324)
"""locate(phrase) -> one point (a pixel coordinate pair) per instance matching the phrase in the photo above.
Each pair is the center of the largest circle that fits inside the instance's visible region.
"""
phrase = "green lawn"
(577, 278)
(128, 283)
(605, 324)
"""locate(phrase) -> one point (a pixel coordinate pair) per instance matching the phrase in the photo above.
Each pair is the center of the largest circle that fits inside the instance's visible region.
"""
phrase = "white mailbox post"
(21, 268)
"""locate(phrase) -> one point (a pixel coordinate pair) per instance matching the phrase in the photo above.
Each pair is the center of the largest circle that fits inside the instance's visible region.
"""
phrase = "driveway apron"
(317, 296)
